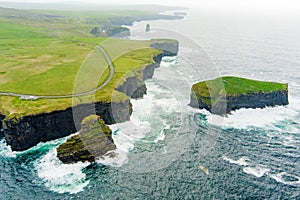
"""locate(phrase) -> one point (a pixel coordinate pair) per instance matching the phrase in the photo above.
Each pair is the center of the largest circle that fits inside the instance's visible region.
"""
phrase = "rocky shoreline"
(24, 133)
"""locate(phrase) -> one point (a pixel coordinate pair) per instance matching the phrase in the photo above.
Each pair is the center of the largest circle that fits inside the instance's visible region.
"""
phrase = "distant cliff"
(129, 20)
(170, 48)
(226, 94)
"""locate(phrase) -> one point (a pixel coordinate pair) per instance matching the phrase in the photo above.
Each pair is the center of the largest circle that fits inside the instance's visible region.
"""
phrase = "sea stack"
(94, 140)
(223, 95)
(147, 27)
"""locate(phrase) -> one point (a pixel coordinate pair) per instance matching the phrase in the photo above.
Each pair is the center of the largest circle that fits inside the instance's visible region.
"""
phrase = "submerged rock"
(94, 140)
(223, 95)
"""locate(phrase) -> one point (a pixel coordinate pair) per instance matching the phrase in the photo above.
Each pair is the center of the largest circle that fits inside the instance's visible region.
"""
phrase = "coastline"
(24, 133)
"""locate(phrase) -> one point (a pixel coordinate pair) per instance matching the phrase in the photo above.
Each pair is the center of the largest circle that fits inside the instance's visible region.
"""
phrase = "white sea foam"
(281, 178)
(243, 161)
(169, 60)
(123, 141)
(162, 135)
(262, 118)
(257, 171)
(117, 160)
(59, 177)
(5, 150)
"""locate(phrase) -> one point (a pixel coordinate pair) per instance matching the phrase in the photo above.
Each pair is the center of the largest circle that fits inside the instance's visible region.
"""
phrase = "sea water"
(251, 153)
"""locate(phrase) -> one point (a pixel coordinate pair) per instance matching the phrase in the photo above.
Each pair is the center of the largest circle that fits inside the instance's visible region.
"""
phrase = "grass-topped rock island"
(226, 94)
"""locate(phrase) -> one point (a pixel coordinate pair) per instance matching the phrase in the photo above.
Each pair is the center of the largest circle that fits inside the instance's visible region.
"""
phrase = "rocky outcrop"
(134, 85)
(223, 104)
(28, 131)
(118, 31)
(94, 140)
(169, 47)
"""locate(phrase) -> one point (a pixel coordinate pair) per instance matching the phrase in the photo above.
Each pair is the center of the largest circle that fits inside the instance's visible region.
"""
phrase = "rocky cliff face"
(170, 48)
(134, 85)
(226, 104)
(1, 118)
(26, 132)
(94, 140)
(1, 131)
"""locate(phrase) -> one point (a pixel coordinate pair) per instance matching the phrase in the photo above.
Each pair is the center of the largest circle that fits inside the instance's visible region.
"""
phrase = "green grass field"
(47, 66)
(15, 107)
(46, 55)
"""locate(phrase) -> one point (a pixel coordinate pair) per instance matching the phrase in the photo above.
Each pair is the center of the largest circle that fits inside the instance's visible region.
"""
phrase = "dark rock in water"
(94, 140)
(147, 27)
(223, 95)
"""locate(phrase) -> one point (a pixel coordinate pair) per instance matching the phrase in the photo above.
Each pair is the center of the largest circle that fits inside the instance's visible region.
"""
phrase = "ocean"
(171, 151)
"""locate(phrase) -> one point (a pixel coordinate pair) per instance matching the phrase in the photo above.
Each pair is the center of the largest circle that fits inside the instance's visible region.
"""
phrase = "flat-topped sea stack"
(94, 140)
(223, 95)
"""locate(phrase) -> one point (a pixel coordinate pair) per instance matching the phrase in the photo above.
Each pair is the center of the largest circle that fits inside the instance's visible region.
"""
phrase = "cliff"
(1, 131)
(1, 118)
(28, 131)
(134, 85)
(129, 20)
(223, 95)
(25, 132)
(169, 47)
(94, 140)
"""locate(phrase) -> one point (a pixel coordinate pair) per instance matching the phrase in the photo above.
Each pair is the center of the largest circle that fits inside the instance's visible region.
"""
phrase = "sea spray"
(61, 177)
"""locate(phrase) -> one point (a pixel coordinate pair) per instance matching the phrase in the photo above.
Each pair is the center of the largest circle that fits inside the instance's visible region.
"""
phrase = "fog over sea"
(165, 148)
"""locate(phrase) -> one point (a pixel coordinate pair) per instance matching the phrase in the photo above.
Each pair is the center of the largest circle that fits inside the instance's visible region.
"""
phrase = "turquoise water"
(251, 154)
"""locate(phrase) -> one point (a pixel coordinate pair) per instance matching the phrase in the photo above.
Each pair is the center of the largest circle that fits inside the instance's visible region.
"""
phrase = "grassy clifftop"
(82, 67)
(232, 86)
(225, 94)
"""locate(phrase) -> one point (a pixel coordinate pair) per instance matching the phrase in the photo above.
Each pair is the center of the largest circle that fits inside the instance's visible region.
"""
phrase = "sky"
(273, 5)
